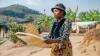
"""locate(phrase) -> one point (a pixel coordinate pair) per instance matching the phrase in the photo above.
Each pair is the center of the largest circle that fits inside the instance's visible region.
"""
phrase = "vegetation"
(92, 15)
(13, 28)
(72, 15)
(43, 22)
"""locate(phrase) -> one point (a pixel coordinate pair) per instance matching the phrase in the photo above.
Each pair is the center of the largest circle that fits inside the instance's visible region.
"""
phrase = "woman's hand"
(50, 41)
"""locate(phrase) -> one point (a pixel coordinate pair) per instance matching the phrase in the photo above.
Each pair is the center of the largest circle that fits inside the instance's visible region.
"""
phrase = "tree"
(71, 14)
(92, 15)
(29, 18)
(13, 28)
(43, 22)
(82, 16)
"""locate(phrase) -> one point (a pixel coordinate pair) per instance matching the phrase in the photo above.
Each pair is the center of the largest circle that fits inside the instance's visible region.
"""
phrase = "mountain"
(18, 11)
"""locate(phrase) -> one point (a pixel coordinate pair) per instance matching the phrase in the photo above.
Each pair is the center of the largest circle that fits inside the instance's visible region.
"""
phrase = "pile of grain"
(98, 26)
(91, 42)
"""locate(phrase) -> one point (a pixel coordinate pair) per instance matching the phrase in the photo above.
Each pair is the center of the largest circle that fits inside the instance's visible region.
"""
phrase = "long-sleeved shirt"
(64, 30)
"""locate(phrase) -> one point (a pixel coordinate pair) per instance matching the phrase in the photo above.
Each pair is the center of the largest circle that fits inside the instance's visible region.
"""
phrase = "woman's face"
(57, 13)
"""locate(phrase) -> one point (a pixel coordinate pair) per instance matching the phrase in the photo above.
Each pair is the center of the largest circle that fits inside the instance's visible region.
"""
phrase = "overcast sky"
(40, 5)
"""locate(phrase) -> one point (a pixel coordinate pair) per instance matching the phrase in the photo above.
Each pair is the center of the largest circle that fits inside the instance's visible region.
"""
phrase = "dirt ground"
(8, 49)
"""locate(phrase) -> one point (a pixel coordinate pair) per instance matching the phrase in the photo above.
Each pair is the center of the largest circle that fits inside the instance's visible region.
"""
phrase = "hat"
(59, 6)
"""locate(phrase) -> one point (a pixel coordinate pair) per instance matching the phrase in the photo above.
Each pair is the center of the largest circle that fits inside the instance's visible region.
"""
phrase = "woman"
(60, 32)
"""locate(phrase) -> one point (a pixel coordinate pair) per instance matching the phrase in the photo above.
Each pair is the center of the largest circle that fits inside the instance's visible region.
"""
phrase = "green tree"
(43, 22)
(92, 15)
(71, 14)
(29, 18)
(13, 28)
(82, 16)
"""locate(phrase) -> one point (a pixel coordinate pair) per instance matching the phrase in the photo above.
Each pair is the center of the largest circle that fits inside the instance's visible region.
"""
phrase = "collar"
(59, 19)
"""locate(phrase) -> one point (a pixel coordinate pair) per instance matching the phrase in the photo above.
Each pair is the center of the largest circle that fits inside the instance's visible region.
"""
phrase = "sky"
(40, 5)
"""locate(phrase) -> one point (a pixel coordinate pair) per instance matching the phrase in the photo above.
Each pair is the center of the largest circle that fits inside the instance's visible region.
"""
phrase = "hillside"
(18, 11)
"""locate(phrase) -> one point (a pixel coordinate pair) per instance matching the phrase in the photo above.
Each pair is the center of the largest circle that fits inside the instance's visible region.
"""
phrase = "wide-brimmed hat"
(59, 6)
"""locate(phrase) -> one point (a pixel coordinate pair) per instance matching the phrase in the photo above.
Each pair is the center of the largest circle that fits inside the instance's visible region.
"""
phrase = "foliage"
(43, 22)
(71, 14)
(29, 18)
(92, 15)
(13, 28)
(13, 38)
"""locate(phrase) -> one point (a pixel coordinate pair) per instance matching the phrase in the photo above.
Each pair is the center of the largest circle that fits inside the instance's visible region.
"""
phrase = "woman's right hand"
(50, 41)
